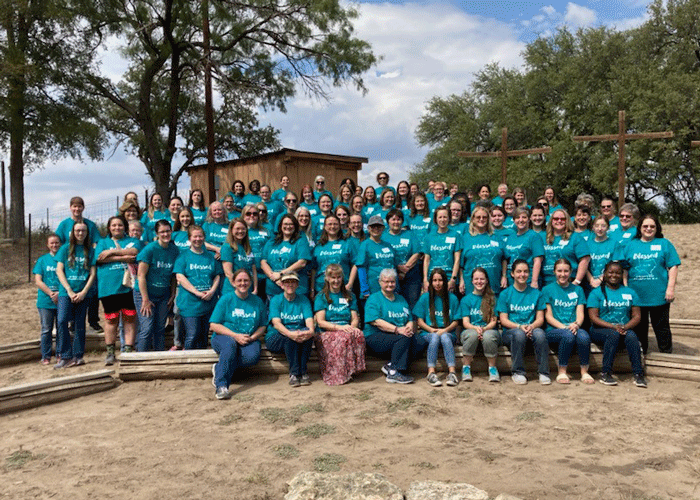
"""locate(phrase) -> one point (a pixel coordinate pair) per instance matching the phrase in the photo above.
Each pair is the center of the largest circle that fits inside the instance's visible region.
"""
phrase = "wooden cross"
(695, 144)
(621, 137)
(504, 153)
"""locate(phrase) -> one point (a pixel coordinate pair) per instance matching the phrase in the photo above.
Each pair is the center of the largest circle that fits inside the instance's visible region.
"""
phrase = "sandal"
(587, 379)
(563, 378)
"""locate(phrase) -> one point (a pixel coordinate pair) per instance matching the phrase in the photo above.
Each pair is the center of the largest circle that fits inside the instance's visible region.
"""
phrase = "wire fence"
(98, 212)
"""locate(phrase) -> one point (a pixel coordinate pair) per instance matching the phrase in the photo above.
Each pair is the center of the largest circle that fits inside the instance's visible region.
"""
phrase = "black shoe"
(640, 381)
(607, 379)
(97, 328)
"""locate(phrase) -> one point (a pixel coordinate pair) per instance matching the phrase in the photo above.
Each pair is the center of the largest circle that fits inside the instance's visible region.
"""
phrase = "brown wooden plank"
(656, 371)
(673, 358)
(52, 382)
(55, 394)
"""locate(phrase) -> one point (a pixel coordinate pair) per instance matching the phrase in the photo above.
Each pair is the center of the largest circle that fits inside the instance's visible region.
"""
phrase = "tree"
(44, 114)
(261, 51)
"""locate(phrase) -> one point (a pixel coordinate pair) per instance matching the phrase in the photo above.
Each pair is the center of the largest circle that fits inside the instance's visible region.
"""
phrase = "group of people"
(395, 271)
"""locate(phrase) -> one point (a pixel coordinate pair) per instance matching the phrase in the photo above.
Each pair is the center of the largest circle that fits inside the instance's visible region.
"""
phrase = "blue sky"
(429, 49)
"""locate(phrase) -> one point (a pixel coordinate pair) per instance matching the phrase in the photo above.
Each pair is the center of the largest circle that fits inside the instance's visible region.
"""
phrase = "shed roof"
(289, 155)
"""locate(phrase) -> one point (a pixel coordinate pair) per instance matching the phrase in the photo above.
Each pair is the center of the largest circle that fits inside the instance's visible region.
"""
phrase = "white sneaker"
(519, 379)
(544, 379)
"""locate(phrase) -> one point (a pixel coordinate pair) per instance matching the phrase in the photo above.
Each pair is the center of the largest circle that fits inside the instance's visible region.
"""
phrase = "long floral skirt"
(341, 355)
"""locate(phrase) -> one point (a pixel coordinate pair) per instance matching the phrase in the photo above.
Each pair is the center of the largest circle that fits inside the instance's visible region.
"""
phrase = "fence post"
(29, 251)
(47, 218)
(117, 211)
(4, 202)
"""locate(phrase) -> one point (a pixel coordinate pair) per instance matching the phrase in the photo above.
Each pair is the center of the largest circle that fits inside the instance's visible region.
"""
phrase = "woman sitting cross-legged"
(389, 329)
(613, 310)
(238, 322)
(340, 344)
(437, 314)
(291, 328)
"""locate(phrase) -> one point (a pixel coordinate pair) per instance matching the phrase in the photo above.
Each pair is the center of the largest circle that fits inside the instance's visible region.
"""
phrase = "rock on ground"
(354, 486)
(436, 490)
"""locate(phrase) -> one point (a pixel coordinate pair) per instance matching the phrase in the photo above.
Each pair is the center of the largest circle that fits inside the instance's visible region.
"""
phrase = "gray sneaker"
(305, 380)
(452, 379)
(519, 379)
(544, 379)
(396, 377)
(434, 380)
(494, 376)
(386, 368)
(213, 374)
(110, 359)
(640, 381)
(467, 374)
(222, 393)
(294, 381)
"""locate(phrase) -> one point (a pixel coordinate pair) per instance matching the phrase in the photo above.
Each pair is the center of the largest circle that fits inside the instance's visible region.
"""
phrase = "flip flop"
(563, 379)
(587, 379)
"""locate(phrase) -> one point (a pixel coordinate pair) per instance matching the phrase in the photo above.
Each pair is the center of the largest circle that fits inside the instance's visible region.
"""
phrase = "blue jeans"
(232, 356)
(297, 353)
(610, 340)
(67, 310)
(150, 336)
(48, 320)
(402, 349)
(517, 340)
(566, 340)
(447, 340)
(179, 331)
(411, 285)
(196, 330)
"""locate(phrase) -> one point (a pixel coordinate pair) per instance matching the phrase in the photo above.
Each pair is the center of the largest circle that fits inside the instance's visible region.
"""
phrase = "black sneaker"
(607, 379)
(97, 328)
(304, 379)
(640, 381)
(396, 377)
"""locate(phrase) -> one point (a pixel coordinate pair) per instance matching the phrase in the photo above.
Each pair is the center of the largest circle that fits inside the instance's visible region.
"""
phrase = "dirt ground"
(169, 438)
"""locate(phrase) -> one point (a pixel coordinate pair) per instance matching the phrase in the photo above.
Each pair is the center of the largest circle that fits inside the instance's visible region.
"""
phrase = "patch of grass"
(378, 465)
(257, 478)
(404, 422)
(366, 414)
(529, 416)
(425, 465)
(401, 404)
(228, 419)
(362, 396)
(329, 462)
(314, 431)
(20, 458)
(273, 415)
(303, 409)
(424, 409)
(243, 398)
(286, 451)
(462, 394)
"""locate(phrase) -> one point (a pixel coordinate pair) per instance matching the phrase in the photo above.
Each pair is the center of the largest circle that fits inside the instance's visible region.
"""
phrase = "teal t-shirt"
(573, 249)
(76, 274)
(200, 270)
(521, 307)
(258, 238)
(279, 194)
(648, 264)
(470, 307)
(422, 310)
(250, 199)
(420, 226)
(441, 247)
(199, 215)
(375, 257)
(563, 301)
(240, 315)
(282, 255)
(394, 311)
(160, 267)
(292, 313)
(239, 259)
(66, 226)
(311, 207)
(181, 240)
(150, 222)
(338, 309)
(482, 250)
(404, 244)
(370, 210)
(525, 246)
(617, 307)
(111, 274)
(333, 252)
(602, 252)
(46, 268)
(504, 234)
(215, 233)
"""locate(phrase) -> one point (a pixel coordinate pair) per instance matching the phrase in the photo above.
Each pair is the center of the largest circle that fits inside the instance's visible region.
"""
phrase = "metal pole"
(208, 104)
(29, 251)
(47, 218)
(4, 203)
(621, 159)
(117, 210)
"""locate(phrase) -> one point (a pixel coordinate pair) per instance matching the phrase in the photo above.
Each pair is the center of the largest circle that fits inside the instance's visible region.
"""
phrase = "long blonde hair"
(567, 232)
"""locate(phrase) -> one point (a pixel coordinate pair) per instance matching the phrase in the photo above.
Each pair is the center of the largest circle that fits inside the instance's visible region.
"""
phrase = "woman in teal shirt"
(437, 314)
(112, 254)
(291, 328)
(237, 253)
(181, 237)
(288, 252)
(156, 211)
(215, 229)
(614, 312)
(76, 274)
(47, 295)
(197, 206)
(238, 322)
(652, 270)
(409, 255)
(602, 248)
(560, 243)
(480, 248)
(332, 248)
(564, 315)
(442, 249)
(198, 275)
(340, 343)
(525, 244)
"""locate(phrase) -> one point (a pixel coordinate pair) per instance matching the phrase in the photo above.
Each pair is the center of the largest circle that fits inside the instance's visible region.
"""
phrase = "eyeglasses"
(606, 206)
(383, 178)
(263, 211)
(559, 219)
(290, 201)
(625, 216)
(480, 217)
(251, 214)
(320, 182)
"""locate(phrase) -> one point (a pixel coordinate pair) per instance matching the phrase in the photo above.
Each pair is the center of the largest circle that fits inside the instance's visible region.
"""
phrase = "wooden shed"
(302, 167)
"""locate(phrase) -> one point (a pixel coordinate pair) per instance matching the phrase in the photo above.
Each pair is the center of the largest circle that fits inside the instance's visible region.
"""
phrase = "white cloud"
(549, 10)
(579, 16)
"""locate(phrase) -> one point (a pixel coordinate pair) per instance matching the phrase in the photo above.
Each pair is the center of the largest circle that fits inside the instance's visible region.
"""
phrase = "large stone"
(354, 486)
(505, 496)
(436, 490)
